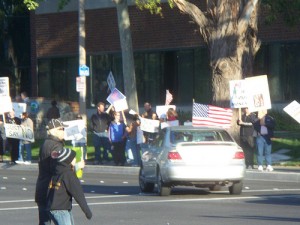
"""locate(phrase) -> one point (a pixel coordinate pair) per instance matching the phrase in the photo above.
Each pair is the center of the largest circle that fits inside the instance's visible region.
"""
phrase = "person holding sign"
(264, 126)
(149, 114)
(13, 143)
(2, 139)
(99, 125)
(247, 136)
(117, 136)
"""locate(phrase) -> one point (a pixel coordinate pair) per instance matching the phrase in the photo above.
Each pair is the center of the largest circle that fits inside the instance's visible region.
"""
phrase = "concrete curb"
(284, 174)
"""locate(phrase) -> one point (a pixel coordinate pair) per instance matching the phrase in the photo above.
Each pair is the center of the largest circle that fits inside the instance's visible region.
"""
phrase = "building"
(169, 54)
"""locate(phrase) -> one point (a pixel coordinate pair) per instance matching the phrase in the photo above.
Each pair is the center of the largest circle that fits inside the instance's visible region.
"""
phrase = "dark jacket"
(100, 122)
(46, 167)
(63, 186)
(270, 124)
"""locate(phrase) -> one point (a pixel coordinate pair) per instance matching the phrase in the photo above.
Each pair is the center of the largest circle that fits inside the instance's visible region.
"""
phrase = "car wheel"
(163, 189)
(145, 186)
(236, 188)
(215, 188)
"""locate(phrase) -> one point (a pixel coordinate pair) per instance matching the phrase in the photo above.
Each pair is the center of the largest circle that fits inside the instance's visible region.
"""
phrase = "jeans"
(132, 146)
(62, 217)
(101, 142)
(82, 148)
(263, 151)
(21, 151)
(44, 218)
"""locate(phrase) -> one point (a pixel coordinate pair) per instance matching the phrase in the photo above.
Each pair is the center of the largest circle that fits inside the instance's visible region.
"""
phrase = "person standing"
(117, 138)
(149, 114)
(264, 126)
(247, 139)
(63, 187)
(53, 111)
(13, 143)
(99, 125)
(26, 122)
(2, 138)
(131, 142)
(46, 165)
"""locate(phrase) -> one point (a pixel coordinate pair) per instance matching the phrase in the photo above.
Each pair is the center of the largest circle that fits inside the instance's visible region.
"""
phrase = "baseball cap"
(55, 123)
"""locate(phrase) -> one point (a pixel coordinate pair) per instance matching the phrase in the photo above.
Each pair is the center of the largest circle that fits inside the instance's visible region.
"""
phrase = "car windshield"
(199, 136)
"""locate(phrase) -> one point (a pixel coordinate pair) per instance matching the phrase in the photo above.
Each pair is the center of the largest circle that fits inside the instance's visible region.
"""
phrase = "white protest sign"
(257, 89)
(6, 105)
(19, 132)
(75, 130)
(19, 108)
(4, 86)
(238, 96)
(114, 96)
(111, 81)
(169, 124)
(120, 105)
(149, 125)
(293, 109)
(161, 110)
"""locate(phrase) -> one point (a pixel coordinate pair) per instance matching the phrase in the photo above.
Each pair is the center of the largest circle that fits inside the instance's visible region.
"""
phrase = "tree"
(229, 28)
(15, 48)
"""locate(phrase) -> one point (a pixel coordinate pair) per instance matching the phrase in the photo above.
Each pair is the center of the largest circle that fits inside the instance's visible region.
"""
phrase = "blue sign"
(84, 70)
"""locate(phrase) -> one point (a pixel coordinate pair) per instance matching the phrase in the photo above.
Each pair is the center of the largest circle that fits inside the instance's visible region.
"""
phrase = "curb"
(284, 174)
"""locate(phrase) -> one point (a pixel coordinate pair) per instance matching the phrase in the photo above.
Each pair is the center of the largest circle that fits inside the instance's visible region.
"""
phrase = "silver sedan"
(192, 156)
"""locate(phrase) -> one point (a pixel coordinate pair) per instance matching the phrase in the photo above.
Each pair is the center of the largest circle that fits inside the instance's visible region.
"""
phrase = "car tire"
(145, 186)
(236, 188)
(162, 188)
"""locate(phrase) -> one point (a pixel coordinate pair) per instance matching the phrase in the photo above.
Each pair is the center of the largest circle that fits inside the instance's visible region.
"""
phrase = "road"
(115, 199)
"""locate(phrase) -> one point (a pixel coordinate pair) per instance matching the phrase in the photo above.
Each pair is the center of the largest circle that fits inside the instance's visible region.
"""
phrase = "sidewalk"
(280, 173)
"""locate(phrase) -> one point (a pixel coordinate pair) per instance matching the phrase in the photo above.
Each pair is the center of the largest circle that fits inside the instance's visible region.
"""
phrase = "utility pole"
(82, 57)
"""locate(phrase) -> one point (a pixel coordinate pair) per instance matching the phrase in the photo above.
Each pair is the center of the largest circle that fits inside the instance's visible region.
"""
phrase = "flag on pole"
(169, 97)
(208, 115)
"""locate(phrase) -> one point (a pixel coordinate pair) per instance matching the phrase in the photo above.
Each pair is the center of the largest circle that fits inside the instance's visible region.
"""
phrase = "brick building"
(169, 53)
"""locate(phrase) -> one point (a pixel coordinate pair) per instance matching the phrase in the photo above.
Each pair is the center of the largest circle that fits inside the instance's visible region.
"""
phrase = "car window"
(198, 136)
(158, 140)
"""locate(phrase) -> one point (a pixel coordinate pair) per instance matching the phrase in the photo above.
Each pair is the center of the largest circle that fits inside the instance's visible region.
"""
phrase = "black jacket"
(46, 167)
(63, 186)
(270, 124)
(100, 122)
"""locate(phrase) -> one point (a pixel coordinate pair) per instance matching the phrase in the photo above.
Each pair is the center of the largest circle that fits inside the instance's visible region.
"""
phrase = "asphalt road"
(115, 199)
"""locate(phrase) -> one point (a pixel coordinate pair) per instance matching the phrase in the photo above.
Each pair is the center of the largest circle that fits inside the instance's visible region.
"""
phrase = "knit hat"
(55, 123)
(66, 155)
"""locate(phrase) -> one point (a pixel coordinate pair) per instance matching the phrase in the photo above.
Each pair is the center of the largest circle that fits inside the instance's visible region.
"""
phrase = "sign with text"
(169, 124)
(257, 89)
(4, 86)
(293, 109)
(80, 84)
(75, 130)
(19, 132)
(238, 95)
(6, 105)
(161, 110)
(115, 95)
(111, 81)
(84, 71)
(149, 125)
(19, 108)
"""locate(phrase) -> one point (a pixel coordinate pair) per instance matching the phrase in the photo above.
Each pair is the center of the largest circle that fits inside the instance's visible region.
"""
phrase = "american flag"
(208, 115)
(169, 97)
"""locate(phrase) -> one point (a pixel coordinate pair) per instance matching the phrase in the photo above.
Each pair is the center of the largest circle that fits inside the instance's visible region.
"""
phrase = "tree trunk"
(229, 27)
(127, 54)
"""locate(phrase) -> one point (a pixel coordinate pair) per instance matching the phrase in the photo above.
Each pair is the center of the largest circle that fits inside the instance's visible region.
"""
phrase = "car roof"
(202, 128)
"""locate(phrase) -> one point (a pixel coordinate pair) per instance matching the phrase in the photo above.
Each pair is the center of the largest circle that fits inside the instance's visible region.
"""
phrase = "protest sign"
(257, 89)
(4, 86)
(169, 124)
(19, 108)
(238, 96)
(149, 125)
(118, 100)
(111, 81)
(19, 132)
(161, 110)
(293, 109)
(6, 105)
(75, 130)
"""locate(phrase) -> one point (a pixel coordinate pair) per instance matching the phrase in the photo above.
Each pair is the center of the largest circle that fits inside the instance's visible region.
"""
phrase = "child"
(64, 185)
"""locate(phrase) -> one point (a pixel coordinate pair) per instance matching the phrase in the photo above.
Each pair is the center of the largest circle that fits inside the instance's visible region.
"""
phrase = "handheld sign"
(111, 81)
(293, 109)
